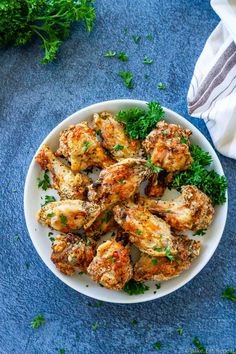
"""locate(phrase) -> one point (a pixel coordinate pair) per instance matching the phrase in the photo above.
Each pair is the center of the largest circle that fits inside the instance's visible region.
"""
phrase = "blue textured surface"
(34, 99)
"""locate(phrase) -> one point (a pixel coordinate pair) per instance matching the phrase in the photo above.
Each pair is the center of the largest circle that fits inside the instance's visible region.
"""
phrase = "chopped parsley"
(61, 351)
(87, 145)
(14, 190)
(63, 219)
(161, 86)
(72, 259)
(139, 122)
(136, 39)
(95, 326)
(122, 56)
(107, 216)
(180, 331)
(201, 232)
(158, 249)
(37, 321)
(229, 294)
(209, 181)
(157, 345)
(50, 215)
(121, 181)
(134, 322)
(17, 237)
(147, 60)
(169, 255)
(88, 242)
(109, 54)
(232, 352)
(154, 261)
(183, 140)
(158, 285)
(48, 199)
(52, 239)
(127, 78)
(44, 183)
(138, 232)
(113, 259)
(150, 164)
(133, 287)
(164, 132)
(118, 147)
(149, 37)
(198, 345)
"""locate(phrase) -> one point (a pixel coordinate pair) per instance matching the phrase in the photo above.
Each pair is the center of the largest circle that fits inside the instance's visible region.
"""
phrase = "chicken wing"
(105, 222)
(68, 215)
(114, 138)
(149, 233)
(163, 268)
(157, 184)
(111, 267)
(80, 146)
(168, 145)
(68, 184)
(118, 182)
(71, 253)
(193, 210)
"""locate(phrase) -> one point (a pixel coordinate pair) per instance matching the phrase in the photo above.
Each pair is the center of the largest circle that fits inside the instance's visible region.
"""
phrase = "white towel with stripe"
(212, 92)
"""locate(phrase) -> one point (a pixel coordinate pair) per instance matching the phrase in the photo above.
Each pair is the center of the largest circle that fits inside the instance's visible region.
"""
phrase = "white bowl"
(81, 283)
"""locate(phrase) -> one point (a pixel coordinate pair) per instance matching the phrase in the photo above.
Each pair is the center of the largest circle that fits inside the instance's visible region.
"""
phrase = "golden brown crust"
(168, 145)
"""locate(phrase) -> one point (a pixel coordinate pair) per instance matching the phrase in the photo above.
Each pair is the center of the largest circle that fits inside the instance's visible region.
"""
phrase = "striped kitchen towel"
(212, 92)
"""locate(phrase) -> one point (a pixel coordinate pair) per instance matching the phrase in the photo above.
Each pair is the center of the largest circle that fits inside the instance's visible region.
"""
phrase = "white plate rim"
(130, 299)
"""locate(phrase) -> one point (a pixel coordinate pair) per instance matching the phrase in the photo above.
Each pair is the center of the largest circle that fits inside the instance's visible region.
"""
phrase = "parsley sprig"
(127, 78)
(229, 294)
(49, 20)
(138, 122)
(134, 287)
(37, 321)
(44, 183)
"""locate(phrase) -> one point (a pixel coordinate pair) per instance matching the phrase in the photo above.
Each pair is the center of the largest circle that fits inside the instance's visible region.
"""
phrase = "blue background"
(33, 100)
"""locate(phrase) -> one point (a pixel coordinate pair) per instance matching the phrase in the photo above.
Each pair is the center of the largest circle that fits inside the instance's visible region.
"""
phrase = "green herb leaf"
(229, 294)
(61, 351)
(127, 78)
(50, 21)
(138, 122)
(118, 147)
(44, 183)
(147, 60)
(50, 215)
(121, 181)
(161, 86)
(107, 216)
(109, 54)
(150, 164)
(158, 285)
(149, 37)
(169, 255)
(63, 219)
(164, 132)
(95, 326)
(180, 331)
(122, 56)
(37, 321)
(138, 232)
(183, 141)
(134, 322)
(201, 232)
(133, 287)
(154, 261)
(49, 199)
(96, 304)
(88, 242)
(199, 346)
(87, 145)
(113, 259)
(17, 237)
(136, 39)
(157, 345)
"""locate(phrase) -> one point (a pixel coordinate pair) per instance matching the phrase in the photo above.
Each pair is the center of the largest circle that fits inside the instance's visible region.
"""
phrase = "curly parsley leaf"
(209, 181)
(153, 167)
(199, 345)
(48, 199)
(127, 78)
(136, 39)
(49, 20)
(201, 232)
(109, 54)
(37, 321)
(147, 60)
(44, 183)
(122, 56)
(161, 86)
(133, 287)
(229, 294)
(157, 345)
(138, 122)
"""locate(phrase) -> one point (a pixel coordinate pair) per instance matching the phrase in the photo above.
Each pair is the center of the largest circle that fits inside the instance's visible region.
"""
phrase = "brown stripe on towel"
(215, 77)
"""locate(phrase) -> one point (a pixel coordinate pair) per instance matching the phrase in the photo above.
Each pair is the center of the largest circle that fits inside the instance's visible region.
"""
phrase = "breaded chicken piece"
(71, 253)
(80, 146)
(118, 182)
(163, 268)
(68, 184)
(168, 145)
(68, 215)
(105, 222)
(111, 267)
(157, 184)
(149, 233)
(114, 138)
(193, 210)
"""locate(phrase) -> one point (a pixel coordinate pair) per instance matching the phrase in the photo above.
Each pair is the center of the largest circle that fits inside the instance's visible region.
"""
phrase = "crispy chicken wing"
(193, 210)
(68, 215)
(111, 267)
(157, 184)
(80, 146)
(118, 182)
(149, 233)
(105, 222)
(114, 138)
(71, 253)
(163, 268)
(68, 184)
(168, 145)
